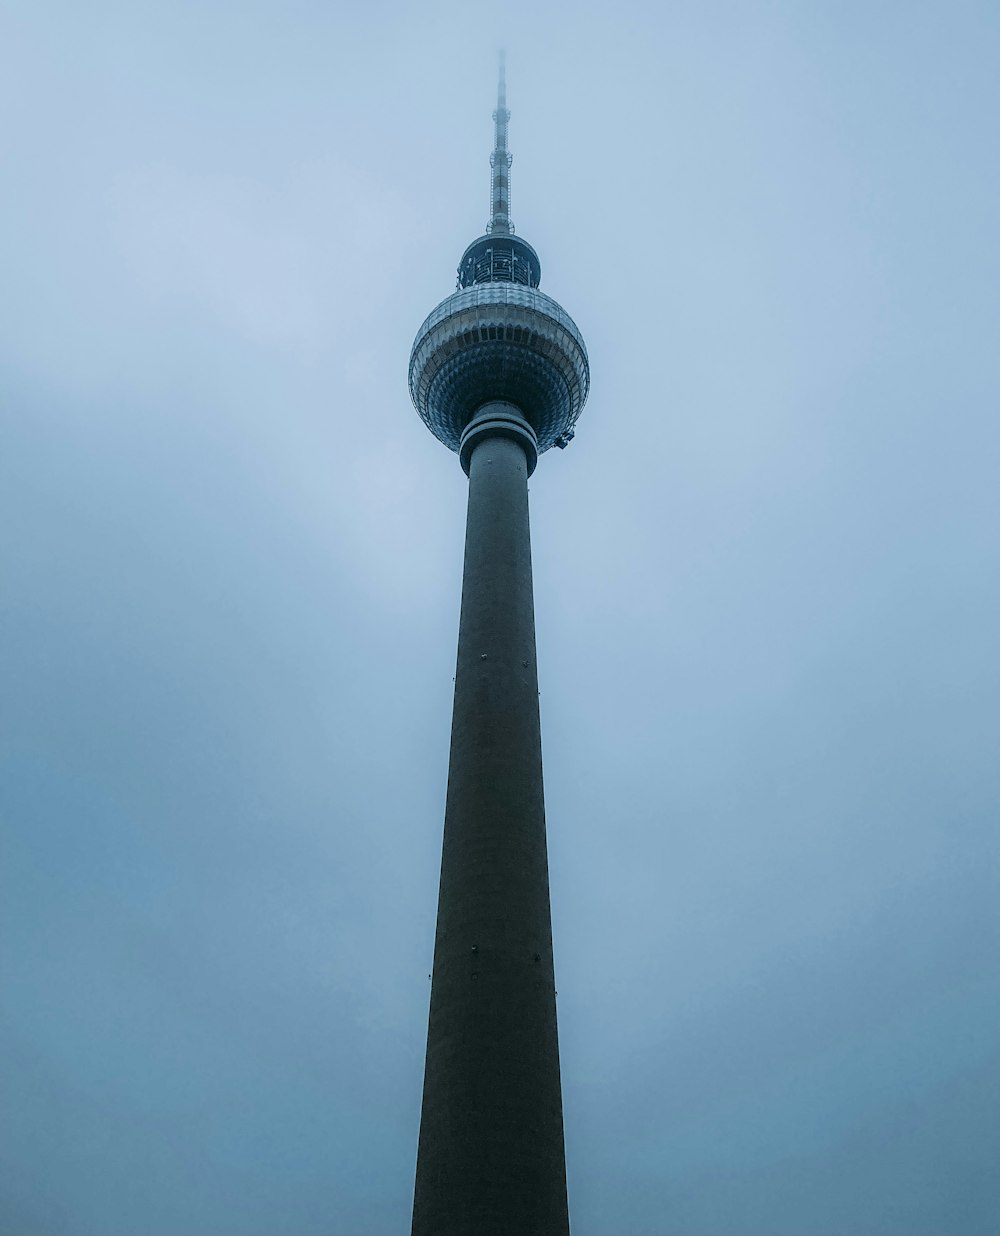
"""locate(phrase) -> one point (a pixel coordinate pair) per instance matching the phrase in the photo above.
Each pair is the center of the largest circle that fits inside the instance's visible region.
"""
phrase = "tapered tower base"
(491, 1160)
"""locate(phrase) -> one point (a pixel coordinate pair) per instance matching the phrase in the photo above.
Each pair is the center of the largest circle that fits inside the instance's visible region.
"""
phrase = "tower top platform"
(499, 258)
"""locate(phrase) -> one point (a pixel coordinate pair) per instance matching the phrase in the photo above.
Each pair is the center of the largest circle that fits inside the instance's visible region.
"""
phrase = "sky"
(767, 596)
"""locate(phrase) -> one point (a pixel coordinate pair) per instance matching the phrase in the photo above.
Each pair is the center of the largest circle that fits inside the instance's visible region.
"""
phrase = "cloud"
(280, 265)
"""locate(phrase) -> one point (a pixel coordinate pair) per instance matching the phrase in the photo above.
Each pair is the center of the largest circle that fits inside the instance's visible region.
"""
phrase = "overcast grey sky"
(766, 580)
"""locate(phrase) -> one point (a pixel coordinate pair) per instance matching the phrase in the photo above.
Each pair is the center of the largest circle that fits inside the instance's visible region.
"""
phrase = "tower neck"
(500, 161)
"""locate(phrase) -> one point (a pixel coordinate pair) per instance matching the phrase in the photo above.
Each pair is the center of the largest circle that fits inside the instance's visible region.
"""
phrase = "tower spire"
(500, 161)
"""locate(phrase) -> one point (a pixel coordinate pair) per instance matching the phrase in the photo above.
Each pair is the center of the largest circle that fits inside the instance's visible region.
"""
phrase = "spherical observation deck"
(499, 341)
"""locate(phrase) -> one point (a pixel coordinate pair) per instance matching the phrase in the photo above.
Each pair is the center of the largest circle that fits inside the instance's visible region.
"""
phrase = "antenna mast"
(500, 161)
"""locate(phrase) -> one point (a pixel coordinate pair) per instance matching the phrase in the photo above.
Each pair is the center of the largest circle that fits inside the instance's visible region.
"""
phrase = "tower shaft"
(491, 1159)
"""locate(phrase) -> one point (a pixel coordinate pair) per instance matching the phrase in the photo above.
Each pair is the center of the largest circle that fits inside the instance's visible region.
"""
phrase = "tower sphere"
(499, 341)
(498, 338)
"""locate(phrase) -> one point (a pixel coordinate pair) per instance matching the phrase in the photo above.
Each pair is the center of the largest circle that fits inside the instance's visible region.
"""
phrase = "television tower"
(499, 374)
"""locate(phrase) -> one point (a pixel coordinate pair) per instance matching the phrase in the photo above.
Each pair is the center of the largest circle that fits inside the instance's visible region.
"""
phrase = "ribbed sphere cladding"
(499, 341)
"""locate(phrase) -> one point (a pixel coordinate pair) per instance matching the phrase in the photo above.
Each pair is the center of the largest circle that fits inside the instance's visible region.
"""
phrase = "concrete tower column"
(491, 1160)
